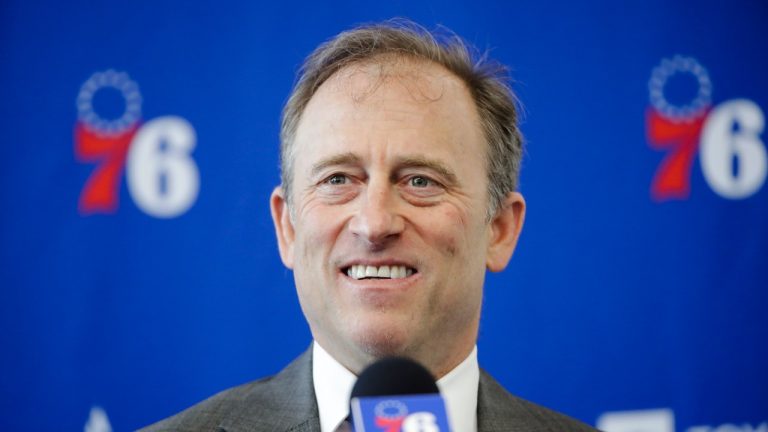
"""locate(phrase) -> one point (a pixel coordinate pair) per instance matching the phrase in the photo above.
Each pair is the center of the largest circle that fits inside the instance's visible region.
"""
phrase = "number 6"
(420, 422)
(721, 144)
(162, 177)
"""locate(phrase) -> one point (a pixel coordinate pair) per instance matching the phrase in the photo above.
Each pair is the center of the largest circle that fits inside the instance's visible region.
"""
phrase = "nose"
(377, 220)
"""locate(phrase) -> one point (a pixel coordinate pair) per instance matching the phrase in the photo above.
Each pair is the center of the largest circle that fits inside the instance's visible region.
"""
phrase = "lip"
(378, 287)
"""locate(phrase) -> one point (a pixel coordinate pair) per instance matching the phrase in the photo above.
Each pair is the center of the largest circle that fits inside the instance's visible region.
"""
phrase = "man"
(400, 158)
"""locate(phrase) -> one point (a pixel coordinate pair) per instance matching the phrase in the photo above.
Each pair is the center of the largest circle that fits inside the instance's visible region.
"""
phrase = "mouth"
(362, 271)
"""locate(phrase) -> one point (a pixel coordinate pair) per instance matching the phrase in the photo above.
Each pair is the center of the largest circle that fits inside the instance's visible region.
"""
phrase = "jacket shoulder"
(210, 413)
(282, 402)
(499, 410)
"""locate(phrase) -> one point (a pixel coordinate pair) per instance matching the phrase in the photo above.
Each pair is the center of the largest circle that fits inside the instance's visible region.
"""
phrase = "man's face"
(388, 236)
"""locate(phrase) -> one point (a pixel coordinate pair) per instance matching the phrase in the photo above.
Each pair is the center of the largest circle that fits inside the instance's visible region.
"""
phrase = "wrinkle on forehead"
(423, 80)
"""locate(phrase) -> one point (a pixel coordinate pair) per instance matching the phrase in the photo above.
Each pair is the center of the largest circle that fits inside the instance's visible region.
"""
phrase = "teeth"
(390, 272)
(397, 272)
(383, 272)
(371, 271)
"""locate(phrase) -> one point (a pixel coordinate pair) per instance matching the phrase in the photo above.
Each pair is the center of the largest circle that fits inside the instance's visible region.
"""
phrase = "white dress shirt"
(333, 385)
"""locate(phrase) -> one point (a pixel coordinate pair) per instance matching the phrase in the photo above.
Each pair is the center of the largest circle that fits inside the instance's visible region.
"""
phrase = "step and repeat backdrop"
(139, 143)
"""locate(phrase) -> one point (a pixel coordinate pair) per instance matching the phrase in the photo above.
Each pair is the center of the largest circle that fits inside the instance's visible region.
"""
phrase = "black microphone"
(396, 392)
(394, 376)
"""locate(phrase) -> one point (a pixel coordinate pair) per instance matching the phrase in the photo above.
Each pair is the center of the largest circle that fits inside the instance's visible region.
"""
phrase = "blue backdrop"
(138, 266)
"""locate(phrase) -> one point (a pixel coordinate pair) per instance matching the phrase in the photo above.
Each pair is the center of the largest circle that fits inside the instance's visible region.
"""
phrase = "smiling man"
(400, 156)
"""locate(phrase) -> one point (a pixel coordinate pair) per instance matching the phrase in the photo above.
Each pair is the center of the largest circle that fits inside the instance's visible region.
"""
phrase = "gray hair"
(486, 80)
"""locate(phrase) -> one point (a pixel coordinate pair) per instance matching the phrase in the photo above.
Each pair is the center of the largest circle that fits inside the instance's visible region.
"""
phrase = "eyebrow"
(432, 164)
(348, 158)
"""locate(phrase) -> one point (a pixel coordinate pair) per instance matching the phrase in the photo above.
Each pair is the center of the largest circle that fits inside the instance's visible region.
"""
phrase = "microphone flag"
(406, 413)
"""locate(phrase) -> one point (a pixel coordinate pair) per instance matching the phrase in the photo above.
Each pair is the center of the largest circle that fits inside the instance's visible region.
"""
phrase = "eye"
(337, 179)
(420, 182)
(421, 190)
(337, 187)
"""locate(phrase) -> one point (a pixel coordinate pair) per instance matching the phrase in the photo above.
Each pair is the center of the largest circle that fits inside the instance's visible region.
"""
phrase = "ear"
(281, 217)
(505, 230)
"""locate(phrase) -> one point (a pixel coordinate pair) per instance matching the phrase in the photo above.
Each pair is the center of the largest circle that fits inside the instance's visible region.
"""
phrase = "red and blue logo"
(389, 415)
(683, 122)
(155, 156)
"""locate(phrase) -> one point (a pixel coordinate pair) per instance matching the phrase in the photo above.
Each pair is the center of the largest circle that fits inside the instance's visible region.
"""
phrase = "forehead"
(422, 80)
(395, 99)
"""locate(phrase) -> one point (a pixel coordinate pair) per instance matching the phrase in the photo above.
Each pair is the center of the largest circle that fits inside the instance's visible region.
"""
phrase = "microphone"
(397, 394)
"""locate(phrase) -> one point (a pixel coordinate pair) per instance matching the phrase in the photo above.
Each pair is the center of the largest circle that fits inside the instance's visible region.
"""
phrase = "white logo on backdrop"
(97, 421)
(663, 420)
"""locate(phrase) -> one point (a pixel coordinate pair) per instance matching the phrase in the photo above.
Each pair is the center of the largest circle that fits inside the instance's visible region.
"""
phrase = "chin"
(379, 341)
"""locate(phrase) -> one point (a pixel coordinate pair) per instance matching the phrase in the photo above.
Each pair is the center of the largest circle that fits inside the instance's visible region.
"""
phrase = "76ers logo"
(162, 178)
(726, 136)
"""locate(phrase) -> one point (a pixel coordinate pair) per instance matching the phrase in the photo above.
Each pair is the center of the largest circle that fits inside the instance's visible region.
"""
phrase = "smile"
(361, 271)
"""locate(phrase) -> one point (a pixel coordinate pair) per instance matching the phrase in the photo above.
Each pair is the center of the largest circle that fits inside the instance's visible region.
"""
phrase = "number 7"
(101, 192)
(673, 178)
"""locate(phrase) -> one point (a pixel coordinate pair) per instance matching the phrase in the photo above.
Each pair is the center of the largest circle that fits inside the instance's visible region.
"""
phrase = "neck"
(439, 360)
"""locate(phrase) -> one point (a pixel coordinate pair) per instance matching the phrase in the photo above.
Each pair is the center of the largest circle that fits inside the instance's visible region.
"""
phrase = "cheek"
(451, 247)
(461, 234)
(317, 231)
(311, 221)
(450, 231)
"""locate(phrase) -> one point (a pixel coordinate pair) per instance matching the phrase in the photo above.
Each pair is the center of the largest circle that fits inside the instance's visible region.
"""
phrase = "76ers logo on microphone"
(683, 122)
(408, 413)
(162, 177)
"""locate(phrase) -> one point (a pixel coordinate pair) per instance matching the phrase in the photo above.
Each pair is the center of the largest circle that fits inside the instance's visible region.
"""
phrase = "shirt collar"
(333, 385)
(459, 390)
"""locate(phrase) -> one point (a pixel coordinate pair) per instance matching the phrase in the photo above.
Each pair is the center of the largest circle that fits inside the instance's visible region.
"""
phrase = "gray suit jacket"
(286, 403)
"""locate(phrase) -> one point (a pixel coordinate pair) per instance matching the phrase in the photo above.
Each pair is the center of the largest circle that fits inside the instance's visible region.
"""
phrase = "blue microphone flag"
(412, 413)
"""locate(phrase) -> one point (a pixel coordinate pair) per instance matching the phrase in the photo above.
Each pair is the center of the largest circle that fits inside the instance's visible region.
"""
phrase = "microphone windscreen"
(394, 376)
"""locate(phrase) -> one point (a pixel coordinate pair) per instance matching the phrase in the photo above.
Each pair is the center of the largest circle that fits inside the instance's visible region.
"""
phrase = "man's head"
(386, 213)
(485, 79)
